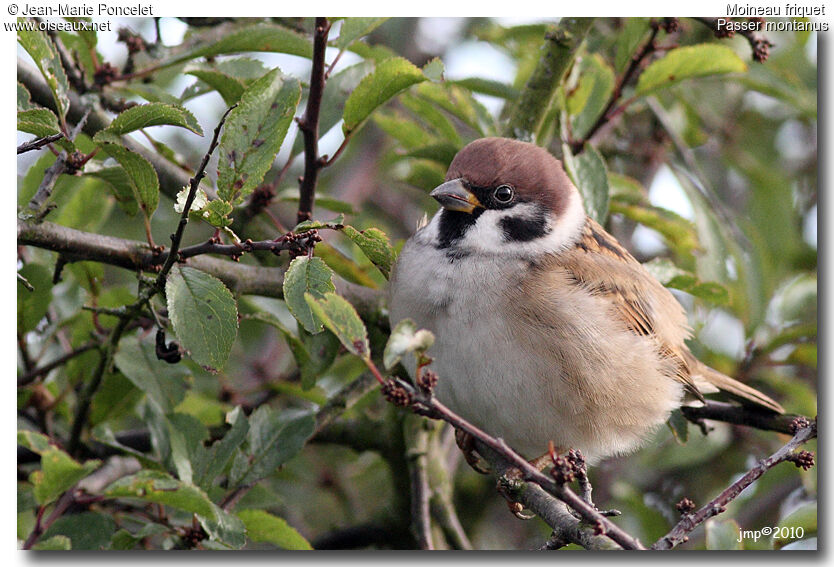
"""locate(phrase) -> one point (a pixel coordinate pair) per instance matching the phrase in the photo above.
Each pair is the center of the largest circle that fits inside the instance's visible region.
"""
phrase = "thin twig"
(38, 143)
(758, 43)
(740, 415)
(309, 123)
(417, 439)
(689, 522)
(41, 526)
(32, 375)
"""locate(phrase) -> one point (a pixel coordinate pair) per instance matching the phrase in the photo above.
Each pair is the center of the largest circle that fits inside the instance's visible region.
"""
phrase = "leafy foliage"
(214, 381)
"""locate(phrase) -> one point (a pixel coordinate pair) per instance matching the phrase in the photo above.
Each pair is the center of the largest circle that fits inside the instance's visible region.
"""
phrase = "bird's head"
(506, 197)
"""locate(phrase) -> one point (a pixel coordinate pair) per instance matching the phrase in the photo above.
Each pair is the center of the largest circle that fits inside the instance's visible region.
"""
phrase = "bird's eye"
(504, 194)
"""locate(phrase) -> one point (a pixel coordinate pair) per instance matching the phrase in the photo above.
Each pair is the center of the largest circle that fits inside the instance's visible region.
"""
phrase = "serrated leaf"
(390, 77)
(334, 224)
(259, 37)
(375, 245)
(341, 318)
(306, 275)
(161, 488)
(687, 62)
(33, 305)
(147, 115)
(253, 134)
(230, 88)
(40, 47)
(217, 213)
(120, 185)
(263, 527)
(405, 338)
(141, 174)
(38, 121)
(274, 438)
(590, 176)
(722, 535)
(204, 314)
(224, 528)
(24, 99)
(356, 28)
(434, 69)
(59, 472)
(163, 383)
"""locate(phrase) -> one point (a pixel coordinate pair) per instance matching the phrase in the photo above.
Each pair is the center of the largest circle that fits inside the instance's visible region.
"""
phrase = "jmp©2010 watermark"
(784, 533)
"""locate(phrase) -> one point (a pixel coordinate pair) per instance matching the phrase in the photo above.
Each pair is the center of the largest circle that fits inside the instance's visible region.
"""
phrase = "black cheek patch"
(524, 229)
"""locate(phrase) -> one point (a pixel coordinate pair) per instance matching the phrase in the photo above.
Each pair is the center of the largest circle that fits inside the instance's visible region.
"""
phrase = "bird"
(547, 330)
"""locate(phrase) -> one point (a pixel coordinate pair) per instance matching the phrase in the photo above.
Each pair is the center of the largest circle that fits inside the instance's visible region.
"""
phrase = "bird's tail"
(735, 389)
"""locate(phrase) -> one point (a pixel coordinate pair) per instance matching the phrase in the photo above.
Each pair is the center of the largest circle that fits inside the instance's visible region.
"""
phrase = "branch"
(309, 123)
(689, 522)
(32, 375)
(77, 246)
(740, 415)
(417, 448)
(38, 143)
(758, 43)
(558, 52)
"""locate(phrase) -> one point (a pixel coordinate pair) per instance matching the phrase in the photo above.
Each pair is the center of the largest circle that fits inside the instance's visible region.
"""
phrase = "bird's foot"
(466, 443)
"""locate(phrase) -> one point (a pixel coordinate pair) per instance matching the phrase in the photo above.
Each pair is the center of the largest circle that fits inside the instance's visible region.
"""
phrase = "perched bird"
(546, 328)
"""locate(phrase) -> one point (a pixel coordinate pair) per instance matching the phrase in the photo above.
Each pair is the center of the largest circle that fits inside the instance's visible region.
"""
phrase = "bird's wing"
(648, 309)
(636, 298)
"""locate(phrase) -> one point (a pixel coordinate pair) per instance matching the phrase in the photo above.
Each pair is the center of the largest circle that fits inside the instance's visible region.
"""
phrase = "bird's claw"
(466, 443)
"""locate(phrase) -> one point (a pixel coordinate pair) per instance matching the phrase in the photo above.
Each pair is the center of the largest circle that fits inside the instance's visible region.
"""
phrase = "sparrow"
(546, 328)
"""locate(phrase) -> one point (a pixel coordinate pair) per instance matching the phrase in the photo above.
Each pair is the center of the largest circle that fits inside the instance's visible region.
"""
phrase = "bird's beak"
(454, 196)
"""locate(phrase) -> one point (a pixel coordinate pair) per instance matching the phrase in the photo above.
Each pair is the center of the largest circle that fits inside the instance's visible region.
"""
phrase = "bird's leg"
(466, 443)
(580, 470)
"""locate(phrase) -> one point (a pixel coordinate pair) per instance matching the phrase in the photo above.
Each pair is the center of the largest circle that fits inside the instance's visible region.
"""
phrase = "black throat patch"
(453, 225)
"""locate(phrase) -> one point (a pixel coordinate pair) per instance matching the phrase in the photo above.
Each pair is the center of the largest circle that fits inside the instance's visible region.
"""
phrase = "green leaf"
(628, 39)
(161, 488)
(217, 213)
(434, 69)
(35, 442)
(375, 245)
(274, 437)
(723, 535)
(120, 184)
(38, 45)
(340, 317)
(147, 115)
(355, 28)
(460, 103)
(38, 121)
(404, 129)
(253, 134)
(230, 88)
(263, 527)
(590, 176)
(390, 77)
(185, 436)
(24, 99)
(587, 101)
(55, 543)
(672, 276)
(679, 426)
(151, 92)
(306, 275)
(224, 528)
(87, 530)
(163, 383)
(59, 472)
(33, 305)
(405, 338)
(141, 174)
(124, 540)
(259, 37)
(434, 118)
(687, 62)
(803, 517)
(488, 87)
(217, 457)
(204, 314)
